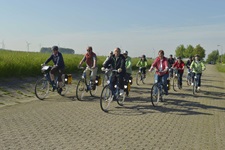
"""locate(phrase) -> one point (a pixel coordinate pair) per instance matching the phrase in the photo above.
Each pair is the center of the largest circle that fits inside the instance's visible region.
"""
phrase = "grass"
(220, 67)
(25, 64)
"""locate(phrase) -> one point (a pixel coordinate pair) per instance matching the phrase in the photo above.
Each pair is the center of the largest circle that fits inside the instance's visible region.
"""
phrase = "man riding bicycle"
(171, 61)
(142, 63)
(91, 61)
(179, 65)
(197, 67)
(161, 66)
(117, 62)
(128, 65)
(58, 67)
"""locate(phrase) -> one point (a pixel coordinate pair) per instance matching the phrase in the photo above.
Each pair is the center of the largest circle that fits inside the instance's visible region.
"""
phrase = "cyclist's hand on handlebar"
(119, 70)
(42, 65)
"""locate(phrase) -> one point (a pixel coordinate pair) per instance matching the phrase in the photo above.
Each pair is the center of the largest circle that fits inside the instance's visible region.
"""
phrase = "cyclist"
(110, 54)
(117, 62)
(128, 65)
(91, 61)
(188, 66)
(179, 65)
(142, 63)
(161, 66)
(197, 67)
(59, 67)
(171, 61)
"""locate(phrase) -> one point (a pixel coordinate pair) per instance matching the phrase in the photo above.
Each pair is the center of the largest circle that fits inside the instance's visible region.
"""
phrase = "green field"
(220, 67)
(24, 64)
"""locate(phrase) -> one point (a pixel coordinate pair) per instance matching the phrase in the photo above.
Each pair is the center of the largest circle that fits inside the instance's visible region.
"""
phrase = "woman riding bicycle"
(161, 66)
(142, 63)
(197, 67)
(179, 65)
(117, 62)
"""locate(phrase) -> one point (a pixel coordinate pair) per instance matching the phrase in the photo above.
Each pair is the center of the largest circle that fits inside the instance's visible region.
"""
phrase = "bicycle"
(85, 86)
(195, 84)
(157, 92)
(176, 81)
(140, 77)
(106, 76)
(42, 85)
(108, 95)
(189, 78)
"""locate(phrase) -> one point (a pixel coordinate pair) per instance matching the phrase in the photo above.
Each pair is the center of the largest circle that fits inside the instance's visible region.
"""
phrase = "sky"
(138, 26)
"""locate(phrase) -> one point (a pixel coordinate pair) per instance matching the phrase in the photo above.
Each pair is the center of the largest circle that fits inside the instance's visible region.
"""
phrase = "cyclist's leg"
(144, 71)
(112, 83)
(164, 81)
(60, 73)
(180, 78)
(93, 76)
(199, 80)
(156, 79)
(121, 80)
(53, 71)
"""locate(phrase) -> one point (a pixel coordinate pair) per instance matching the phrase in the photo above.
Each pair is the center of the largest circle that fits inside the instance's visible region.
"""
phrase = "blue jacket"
(57, 60)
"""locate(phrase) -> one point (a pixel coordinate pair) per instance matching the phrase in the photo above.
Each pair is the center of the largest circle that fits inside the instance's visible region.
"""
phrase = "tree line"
(189, 51)
(62, 50)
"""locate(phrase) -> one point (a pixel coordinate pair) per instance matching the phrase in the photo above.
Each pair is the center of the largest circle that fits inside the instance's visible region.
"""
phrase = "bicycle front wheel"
(175, 83)
(80, 89)
(42, 88)
(121, 98)
(106, 98)
(155, 95)
(138, 78)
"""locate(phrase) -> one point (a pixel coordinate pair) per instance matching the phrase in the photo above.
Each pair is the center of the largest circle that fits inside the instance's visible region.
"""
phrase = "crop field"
(23, 64)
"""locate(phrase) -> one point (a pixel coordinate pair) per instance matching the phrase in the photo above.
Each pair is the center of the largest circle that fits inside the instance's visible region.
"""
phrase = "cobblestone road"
(184, 121)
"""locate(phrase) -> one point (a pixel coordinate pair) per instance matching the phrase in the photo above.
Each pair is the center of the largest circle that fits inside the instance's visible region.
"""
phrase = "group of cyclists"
(122, 63)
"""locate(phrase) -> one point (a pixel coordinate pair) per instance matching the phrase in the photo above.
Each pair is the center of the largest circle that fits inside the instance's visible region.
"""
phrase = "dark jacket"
(116, 63)
(57, 60)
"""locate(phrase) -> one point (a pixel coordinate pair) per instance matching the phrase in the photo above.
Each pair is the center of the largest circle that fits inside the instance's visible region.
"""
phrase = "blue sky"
(138, 26)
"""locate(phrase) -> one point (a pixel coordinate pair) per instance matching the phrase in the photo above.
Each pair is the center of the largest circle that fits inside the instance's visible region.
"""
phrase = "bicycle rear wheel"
(94, 91)
(175, 83)
(80, 89)
(155, 94)
(106, 98)
(41, 88)
(64, 90)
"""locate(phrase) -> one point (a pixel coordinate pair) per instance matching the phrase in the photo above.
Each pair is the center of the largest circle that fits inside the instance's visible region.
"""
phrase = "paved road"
(184, 121)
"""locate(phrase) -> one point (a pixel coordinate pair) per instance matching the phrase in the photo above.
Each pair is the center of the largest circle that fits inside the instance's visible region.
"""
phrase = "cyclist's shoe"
(93, 87)
(59, 90)
(121, 92)
(198, 88)
(53, 87)
(192, 83)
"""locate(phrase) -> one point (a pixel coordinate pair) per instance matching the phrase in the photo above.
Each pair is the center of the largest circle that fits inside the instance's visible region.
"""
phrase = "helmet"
(55, 48)
(111, 52)
(197, 55)
(125, 52)
(179, 57)
(143, 56)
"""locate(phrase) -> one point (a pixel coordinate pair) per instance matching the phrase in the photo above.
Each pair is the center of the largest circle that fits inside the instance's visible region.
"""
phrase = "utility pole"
(28, 46)
(221, 52)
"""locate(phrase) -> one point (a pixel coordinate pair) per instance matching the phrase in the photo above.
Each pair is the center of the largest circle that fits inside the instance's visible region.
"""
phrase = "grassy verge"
(24, 64)
(220, 67)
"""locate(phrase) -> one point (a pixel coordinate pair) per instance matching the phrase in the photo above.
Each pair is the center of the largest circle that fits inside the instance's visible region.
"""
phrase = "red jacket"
(160, 65)
(179, 66)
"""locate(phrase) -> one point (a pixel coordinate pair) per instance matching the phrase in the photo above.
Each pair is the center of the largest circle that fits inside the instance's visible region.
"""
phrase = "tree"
(213, 57)
(189, 51)
(180, 51)
(199, 50)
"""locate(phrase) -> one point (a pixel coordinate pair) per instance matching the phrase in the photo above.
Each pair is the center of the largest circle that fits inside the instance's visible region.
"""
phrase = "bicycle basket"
(45, 69)
(98, 80)
(68, 78)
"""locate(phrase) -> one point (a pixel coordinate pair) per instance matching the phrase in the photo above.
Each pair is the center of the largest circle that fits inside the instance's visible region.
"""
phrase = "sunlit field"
(24, 64)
